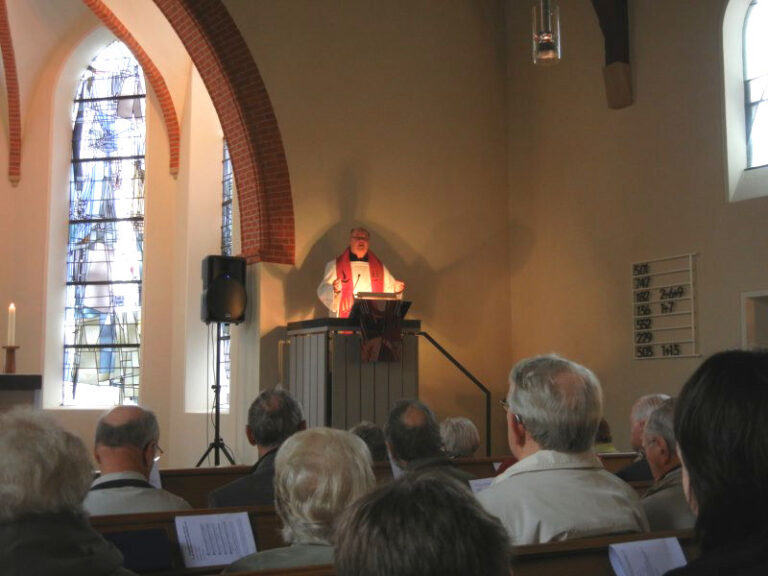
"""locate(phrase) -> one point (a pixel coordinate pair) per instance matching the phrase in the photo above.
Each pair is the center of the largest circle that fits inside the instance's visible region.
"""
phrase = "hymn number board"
(664, 323)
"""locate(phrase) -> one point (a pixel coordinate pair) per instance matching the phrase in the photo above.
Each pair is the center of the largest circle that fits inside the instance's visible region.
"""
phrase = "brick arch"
(14, 104)
(151, 71)
(238, 93)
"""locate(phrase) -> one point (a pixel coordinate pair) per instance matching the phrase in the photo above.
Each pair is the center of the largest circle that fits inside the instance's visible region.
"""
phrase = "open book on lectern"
(376, 302)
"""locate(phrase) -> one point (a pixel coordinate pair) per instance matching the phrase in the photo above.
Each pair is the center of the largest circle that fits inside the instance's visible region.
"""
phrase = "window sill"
(753, 183)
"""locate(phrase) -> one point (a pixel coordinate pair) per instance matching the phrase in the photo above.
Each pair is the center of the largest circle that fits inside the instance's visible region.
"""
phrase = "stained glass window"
(756, 82)
(106, 233)
(227, 181)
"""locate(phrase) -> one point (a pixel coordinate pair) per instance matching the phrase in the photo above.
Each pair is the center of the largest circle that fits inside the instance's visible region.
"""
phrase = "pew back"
(265, 523)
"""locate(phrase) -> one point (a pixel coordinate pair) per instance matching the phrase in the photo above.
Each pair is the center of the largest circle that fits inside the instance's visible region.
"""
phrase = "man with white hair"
(664, 502)
(460, 437)
(558, 489)
(639, 471)
(318, 473)
(126, 448)
(44, 476)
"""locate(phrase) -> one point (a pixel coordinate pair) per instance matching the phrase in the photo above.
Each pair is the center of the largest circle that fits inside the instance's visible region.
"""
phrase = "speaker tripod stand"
(218, 442)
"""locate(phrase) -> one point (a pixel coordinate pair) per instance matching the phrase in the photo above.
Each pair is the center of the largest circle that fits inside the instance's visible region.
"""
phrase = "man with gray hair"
(126, 449)
(460, 437)
(45, 475)
(664, 502)
(272, 418)
(318, 474)
(639, 471)
(558, 489)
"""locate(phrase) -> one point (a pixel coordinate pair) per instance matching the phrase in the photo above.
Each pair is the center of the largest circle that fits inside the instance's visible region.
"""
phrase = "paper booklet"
(646, 557)
(214, 539)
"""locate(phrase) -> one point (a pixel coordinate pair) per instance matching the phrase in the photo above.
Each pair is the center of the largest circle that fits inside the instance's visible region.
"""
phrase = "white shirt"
(129, 499)
(361, 278)
(551, 496)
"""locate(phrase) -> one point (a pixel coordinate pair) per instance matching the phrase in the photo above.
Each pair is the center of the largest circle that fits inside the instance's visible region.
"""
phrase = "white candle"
(12, 324)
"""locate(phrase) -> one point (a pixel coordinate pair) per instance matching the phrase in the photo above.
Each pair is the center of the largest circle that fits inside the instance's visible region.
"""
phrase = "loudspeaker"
(224, 298)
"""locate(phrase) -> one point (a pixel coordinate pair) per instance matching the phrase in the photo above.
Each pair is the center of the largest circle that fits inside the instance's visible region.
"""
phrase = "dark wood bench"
(582, 557)
(194, 484)
(265, 523)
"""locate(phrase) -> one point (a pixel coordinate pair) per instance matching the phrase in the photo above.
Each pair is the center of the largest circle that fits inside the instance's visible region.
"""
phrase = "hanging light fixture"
(546, 32)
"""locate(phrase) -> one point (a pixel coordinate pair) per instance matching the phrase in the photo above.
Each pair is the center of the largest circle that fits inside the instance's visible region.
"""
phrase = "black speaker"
(224, 297)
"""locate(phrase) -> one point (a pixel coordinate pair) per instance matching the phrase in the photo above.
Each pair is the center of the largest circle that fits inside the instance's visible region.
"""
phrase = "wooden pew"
(585, 555)
(194, 484)
(265, 523)
(582, 557)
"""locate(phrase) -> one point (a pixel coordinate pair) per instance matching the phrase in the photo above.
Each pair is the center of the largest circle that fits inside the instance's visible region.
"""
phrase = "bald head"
(412, 431)
(126, 440)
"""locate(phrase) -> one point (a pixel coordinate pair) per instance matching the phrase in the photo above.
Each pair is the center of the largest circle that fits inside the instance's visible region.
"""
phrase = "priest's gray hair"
(137, 432)
(460, 437)
(661, 423)
(318, 473)
(645, 405)
(45, 469)
(559, 402)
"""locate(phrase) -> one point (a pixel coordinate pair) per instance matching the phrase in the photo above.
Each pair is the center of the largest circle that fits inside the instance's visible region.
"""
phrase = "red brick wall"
(14, 106)
(238, 93)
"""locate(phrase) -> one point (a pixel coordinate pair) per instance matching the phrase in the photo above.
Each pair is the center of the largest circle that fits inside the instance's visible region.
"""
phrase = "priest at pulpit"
(357, 269)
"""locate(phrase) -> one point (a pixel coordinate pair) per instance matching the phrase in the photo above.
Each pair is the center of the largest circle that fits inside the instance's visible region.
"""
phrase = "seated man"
(558, 489)
(639, 470)
(414, 443)
(664, 502)
(318, 473)
(45, 475)
(373, 436)
(126, 449)
(420, 524)
(460, 437)
(272, 418)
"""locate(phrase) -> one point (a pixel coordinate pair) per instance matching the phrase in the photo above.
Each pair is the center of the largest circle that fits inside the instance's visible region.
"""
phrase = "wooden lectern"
(334, 385)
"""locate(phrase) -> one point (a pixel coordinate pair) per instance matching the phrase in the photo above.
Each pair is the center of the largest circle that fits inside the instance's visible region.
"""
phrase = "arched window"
(106, 233)
(756, 82)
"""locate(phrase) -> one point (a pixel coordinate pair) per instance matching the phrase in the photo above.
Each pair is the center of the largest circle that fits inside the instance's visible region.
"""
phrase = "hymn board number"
(664, 323)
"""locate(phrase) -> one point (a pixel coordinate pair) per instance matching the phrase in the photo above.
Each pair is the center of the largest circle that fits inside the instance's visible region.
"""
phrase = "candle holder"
(10, 359)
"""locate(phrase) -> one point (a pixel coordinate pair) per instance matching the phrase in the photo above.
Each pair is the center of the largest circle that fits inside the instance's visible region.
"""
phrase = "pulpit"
(335, 386)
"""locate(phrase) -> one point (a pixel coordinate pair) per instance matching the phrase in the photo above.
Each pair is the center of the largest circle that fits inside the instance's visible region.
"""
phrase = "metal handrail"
(474, 380)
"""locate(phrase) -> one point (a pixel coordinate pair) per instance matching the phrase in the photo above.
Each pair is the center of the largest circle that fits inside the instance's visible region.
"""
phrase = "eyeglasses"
(507, 408)
(158, 451)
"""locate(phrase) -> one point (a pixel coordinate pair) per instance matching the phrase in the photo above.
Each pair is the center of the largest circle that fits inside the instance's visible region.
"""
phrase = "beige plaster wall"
(593, 190)
(393, 116)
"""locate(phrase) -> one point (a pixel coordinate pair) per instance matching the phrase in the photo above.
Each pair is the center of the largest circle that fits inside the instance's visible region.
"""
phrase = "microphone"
(355, 284)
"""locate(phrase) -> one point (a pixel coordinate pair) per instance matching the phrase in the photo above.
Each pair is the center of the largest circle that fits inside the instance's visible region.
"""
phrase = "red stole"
(344, 273)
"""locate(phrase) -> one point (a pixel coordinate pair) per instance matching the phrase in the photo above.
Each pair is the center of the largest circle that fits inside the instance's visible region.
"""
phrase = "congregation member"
(45, 475)
(664, 502)
(460, 437)
(722, 436)
(357, 269)
(604, 438)
(558, 489)
(373, 436)
(422, 524)
(414, 443)
(273, 417)
(126, 449)
(639, 471)
(318, 474)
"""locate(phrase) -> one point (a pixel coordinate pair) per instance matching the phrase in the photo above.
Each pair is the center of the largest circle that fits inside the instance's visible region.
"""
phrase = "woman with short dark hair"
(721, 426)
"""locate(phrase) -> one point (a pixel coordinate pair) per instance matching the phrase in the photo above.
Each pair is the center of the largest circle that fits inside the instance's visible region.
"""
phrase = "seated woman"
(318, 473)
(721, 426)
